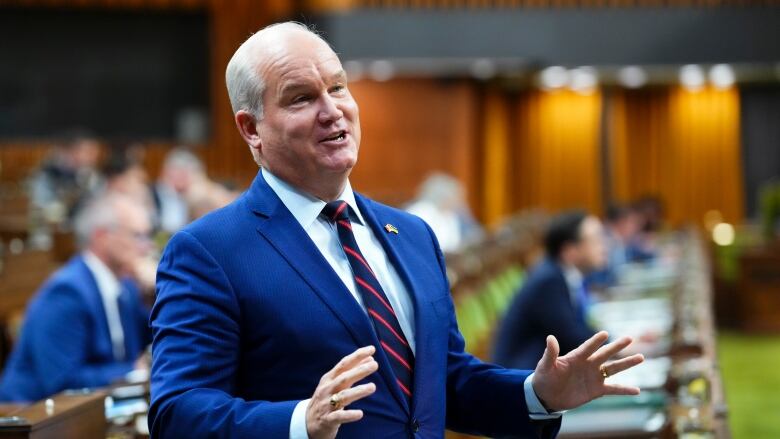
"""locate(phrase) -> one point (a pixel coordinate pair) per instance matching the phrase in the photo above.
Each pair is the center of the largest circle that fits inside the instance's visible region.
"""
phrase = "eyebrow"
(292, 87)
(341, 75)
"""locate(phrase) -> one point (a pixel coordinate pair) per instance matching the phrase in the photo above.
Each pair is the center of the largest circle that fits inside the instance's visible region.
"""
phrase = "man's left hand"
(569, 381)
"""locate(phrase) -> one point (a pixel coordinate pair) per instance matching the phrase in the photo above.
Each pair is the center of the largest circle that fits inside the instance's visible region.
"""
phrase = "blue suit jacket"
(64, 341)
(542, 307)
(249, 316)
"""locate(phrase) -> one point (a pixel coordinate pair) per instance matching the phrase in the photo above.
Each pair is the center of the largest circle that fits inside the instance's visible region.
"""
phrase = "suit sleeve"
(555, 315)
(195, 351)
(482, 398)
(62, 330)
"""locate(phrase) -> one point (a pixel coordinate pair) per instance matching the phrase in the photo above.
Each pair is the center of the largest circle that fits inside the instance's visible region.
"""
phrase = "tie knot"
(336, 210)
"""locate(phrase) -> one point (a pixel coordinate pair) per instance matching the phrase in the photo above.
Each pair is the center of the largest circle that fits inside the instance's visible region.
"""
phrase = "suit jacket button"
(415, 426)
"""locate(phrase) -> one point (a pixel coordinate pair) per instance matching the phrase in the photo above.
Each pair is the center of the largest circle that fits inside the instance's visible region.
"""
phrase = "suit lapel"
(422, 311)
(280, 228)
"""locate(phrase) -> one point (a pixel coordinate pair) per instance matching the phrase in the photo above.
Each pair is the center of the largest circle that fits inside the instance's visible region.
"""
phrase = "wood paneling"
(557, 165)
(411, 128)
(683, 146)
(231, 22)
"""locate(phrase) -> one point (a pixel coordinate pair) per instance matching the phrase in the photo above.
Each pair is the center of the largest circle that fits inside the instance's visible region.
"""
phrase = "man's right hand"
(322, 418)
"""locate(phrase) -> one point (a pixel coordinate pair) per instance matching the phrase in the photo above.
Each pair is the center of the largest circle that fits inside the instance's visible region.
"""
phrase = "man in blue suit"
(305, 310)
(554, 298)
(87, 326)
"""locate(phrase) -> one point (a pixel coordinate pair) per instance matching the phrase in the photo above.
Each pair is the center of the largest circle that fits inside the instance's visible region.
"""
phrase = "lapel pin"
(391, 228)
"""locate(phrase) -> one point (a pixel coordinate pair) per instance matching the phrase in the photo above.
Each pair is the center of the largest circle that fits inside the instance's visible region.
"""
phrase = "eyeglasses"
(143, 237)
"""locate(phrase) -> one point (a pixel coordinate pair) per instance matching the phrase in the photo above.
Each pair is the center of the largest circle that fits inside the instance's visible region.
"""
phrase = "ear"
(247, 126)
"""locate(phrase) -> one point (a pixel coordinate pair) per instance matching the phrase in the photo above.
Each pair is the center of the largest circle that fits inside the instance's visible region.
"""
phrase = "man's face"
(627, 226)
(310, 124)
(180, 178)
(129, 241)
(591, 250)
(85, 153)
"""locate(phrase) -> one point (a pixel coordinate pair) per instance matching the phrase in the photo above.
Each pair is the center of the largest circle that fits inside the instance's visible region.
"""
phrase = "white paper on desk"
(651, 374)
(633, 317)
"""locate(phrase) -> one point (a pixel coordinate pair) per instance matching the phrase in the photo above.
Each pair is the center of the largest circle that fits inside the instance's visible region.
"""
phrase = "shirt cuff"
(298, 422)
(536, 410)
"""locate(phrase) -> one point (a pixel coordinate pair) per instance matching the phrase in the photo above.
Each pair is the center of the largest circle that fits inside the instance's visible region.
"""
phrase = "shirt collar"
(574, 278)
(305, 207)
(107, 283)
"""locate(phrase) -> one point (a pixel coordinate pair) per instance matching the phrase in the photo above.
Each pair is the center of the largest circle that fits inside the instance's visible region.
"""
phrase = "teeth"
(339, 136)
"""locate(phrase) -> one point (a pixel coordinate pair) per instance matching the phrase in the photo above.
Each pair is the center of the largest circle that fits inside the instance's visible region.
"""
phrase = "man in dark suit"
(87, 326)
(305, 310)
(554, 298)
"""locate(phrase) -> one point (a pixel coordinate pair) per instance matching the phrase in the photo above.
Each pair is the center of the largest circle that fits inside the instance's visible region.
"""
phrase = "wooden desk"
(759, 289)
(79, 416)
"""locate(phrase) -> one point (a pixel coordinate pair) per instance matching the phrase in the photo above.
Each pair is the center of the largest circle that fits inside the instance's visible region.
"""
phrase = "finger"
(356, 393)
(339, 417)
(613, 389)
(591, 345)
(350, 377)
(606, 352)
(618, 366)
(550, 353)
(350, 360)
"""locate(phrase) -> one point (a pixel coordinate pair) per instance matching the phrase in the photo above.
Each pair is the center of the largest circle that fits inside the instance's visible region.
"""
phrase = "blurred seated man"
(553, 300)
(441, 203)
(181, 171)
(650, 209)
(207, 195)
(86, 326)
(622, 228)
(67, 176)
(124, 174)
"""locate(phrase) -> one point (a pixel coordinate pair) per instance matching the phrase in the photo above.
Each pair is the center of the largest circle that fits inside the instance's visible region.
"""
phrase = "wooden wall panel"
(682, 146)
(410, 128)
(231, 22)
(557, 162)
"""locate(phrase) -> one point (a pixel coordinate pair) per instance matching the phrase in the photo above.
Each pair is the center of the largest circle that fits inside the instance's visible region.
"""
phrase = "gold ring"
(335, 400)
(604, 372)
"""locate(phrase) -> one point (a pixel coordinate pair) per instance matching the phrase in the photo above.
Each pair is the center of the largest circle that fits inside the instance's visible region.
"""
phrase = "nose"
(329, 111)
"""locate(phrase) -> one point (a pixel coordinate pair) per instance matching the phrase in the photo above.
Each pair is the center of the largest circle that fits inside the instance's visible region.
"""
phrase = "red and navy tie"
(380, 311)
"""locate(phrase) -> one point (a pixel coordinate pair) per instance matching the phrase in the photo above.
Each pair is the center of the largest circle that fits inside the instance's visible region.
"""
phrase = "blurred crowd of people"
(74, 173)
(441, 202)
(87, 325)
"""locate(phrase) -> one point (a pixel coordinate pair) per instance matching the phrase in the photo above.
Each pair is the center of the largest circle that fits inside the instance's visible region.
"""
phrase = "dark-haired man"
(554, 299)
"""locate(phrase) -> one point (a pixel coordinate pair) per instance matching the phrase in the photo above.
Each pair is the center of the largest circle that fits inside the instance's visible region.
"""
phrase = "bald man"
(87, 326)
(306, 310)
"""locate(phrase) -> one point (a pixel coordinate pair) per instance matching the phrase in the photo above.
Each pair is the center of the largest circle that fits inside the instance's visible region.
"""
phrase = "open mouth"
(336, 137)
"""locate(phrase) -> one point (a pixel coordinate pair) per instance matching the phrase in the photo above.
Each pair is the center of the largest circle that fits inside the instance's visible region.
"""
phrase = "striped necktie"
(380, 311)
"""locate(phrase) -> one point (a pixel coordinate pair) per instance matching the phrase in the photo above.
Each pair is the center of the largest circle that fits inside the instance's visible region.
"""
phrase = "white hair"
(440, 187)
(100, 212)
(182, 158)
(245, 86)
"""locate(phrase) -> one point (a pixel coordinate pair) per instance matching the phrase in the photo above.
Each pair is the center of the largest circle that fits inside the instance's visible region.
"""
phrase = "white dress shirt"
(306, 209)
(445, 224)
(574, 281)
(109, 288)
(174, 212)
